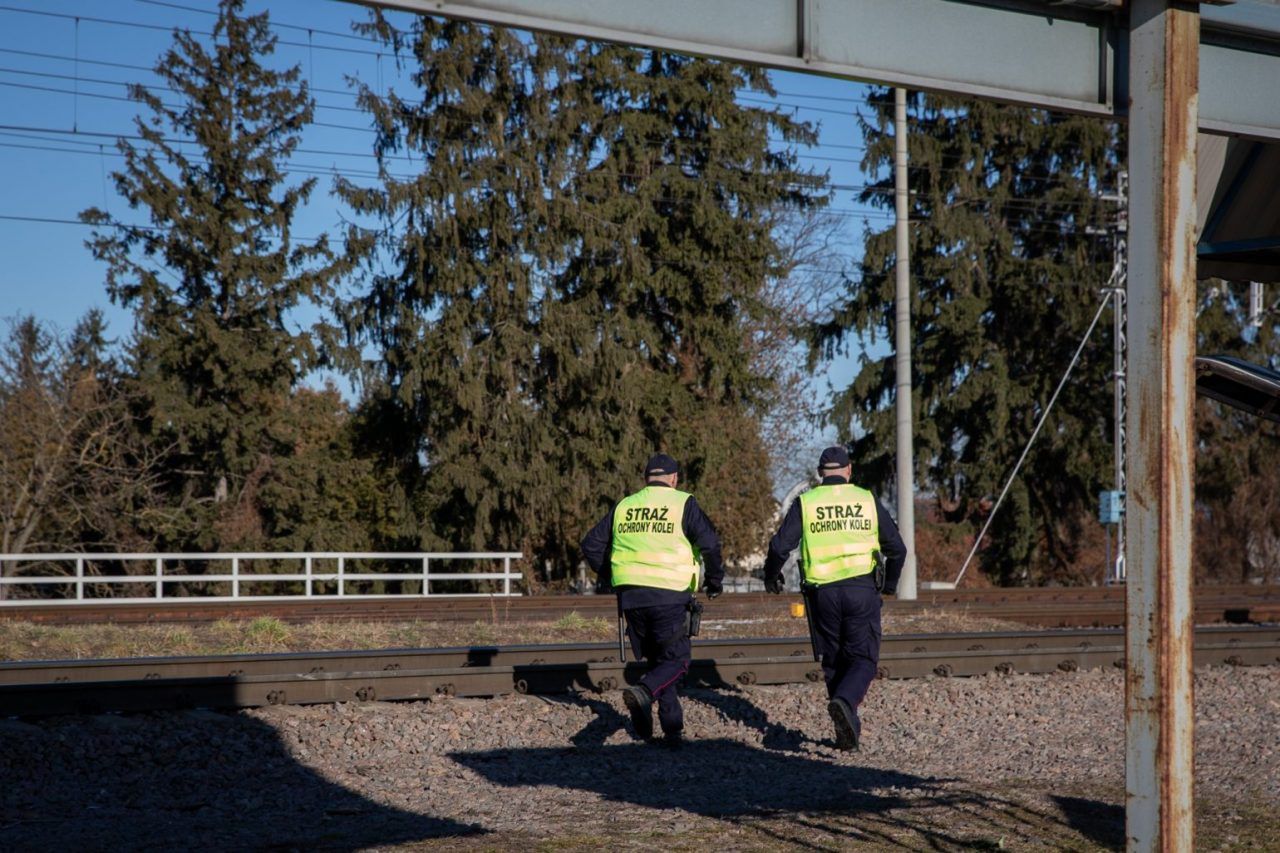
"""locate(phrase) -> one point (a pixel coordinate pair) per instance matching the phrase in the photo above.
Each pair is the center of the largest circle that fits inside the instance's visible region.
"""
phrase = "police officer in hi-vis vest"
(842, 531)
(645, 547)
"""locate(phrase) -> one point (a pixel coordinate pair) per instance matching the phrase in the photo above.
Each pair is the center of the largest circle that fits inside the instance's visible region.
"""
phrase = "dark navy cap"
(833, 457)
(660, 463)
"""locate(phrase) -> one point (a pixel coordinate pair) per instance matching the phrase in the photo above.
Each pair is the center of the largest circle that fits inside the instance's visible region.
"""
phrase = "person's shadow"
(729, 703)
(786, 781)
(714, 778)
(187, 781)
(789, 797)
(735, 706)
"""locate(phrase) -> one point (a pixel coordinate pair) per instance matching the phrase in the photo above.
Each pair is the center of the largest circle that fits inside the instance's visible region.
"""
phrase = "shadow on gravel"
(607, 720)
(734, 707)
(182, 781)
(785, 797)
(708, 777)
(1101, 823)
(712, 778)
(739, 708)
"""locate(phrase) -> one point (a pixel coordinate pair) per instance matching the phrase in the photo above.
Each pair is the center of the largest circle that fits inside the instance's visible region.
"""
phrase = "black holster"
(877, 570)
(693, 617)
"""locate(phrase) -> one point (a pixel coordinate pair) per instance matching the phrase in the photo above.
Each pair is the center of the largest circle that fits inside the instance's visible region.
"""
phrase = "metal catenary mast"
(1112, 503)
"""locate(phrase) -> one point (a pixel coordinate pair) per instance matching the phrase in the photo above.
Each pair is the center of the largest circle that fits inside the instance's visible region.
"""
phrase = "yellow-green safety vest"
(841, 533)
(649, 545)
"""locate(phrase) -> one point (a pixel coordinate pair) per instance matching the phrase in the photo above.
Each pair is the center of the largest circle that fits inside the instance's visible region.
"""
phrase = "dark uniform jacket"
(597, 547)
(892, 548)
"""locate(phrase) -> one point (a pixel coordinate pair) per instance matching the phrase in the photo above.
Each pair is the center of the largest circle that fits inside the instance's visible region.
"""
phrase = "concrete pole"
(1164, 39)
(902, 343)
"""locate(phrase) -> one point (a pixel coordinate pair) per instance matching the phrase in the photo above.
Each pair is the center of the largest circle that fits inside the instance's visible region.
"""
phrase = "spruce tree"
(666, 281)
(1006, 273)
(452, 314)
(569, 281)
(214, 276)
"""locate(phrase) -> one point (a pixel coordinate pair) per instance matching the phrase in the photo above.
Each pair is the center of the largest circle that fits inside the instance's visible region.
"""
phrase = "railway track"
(1051, 607)
(144, 684)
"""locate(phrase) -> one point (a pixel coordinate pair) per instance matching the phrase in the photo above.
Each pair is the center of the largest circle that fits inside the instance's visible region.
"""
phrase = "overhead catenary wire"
(1044, 416)
(881, 103)
(169, 29)
(129, 66)
(379, 55)
(863, 277)
(806, 151)
(1055, 208)
(802, 153)
(318, 170)
(312, 170)
(1083, 203)
(54, 220)
(60, 135)
(274, 23)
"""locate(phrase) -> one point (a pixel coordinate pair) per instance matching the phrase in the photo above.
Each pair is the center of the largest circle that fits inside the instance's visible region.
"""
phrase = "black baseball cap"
(660, 463)
(833, 457)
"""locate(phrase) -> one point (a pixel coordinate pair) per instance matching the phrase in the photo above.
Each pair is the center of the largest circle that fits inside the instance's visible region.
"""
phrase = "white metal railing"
(309, 576)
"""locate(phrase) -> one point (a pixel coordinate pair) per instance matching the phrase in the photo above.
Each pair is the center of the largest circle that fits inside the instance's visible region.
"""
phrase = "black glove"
(713, 589)
(775, 584)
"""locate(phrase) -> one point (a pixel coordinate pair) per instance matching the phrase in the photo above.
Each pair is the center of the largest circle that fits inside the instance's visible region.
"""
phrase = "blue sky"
(63, 69)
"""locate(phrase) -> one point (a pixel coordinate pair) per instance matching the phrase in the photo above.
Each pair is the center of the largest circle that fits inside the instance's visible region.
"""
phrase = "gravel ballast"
(1020, 762)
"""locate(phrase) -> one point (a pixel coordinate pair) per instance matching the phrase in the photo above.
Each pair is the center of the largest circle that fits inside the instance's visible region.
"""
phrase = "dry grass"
(25, 641)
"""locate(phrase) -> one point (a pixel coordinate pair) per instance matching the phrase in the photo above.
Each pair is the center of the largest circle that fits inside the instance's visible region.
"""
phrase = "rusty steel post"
(1164, 38)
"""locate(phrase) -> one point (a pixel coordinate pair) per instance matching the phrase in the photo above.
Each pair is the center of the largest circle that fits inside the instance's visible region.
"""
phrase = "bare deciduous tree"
(74, 473)
(811, 278)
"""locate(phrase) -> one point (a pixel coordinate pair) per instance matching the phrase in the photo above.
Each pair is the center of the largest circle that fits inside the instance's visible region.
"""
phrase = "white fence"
(168, 569)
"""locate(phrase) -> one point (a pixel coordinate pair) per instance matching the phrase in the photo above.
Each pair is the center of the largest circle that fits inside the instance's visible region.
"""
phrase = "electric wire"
(309, 46)
(318, 170)
(1015, 203)
(1106, 299)
(311, 240)
(169, 29)
(878, 104)
(1024, 178)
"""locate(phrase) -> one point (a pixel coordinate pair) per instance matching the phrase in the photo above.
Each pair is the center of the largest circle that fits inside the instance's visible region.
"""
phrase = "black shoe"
(673, 740)
(846, 723)
(640, 703)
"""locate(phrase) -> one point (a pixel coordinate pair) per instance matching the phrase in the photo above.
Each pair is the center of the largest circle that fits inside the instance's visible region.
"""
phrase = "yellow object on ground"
(797, 609)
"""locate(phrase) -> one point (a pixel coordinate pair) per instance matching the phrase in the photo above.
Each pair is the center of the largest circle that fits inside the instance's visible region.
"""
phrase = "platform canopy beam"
(1071, 56)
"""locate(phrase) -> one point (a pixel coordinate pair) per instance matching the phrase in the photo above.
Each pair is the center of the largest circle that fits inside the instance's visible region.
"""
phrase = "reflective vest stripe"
(839, 568)
(840, 533)
(652, 576)
(649, 545)
(848, 549)
(657, 558)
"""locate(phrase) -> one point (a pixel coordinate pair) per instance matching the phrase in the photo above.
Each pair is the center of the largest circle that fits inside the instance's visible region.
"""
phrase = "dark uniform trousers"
(659, 635)
(846, 620)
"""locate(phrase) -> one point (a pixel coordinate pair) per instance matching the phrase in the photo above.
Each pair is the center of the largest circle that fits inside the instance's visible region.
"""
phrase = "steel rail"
(418, 674)
(1055, 607)
(293, 663)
